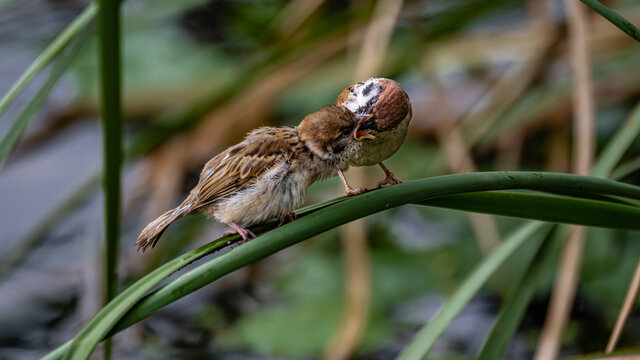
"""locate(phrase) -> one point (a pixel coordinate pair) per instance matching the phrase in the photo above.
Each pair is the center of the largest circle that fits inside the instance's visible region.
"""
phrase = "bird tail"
(152, 232)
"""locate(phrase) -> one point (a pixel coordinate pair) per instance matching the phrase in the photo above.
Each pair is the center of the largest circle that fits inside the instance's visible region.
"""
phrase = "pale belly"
(270, 197)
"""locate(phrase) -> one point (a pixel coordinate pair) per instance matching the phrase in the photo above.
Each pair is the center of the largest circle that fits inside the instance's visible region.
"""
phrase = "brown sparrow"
(267, 174)
(383, 107)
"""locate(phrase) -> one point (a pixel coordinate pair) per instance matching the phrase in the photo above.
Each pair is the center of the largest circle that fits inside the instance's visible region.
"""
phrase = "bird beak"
(358, 134)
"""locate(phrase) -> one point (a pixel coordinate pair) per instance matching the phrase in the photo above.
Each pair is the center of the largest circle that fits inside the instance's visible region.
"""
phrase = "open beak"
(360, 135)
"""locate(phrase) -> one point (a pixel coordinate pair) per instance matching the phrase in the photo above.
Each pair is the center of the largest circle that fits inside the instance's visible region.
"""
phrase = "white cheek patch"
(363, 97)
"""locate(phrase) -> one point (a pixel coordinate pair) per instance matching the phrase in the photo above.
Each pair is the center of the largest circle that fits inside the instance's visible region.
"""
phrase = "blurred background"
(491, 88)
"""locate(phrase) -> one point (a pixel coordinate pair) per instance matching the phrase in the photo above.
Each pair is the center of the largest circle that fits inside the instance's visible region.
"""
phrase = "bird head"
(383, 99)
(330, 132)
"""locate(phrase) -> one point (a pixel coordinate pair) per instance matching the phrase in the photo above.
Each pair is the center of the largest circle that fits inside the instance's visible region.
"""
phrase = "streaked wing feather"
(237, 167)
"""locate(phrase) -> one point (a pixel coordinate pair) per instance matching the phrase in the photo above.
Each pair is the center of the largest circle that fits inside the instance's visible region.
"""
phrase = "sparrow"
(384, 111)
(267, 174)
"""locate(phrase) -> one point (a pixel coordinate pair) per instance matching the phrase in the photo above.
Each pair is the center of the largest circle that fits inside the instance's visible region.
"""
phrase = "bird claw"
(290, 215)
(246, 234)
(357, 191)
(389, 180)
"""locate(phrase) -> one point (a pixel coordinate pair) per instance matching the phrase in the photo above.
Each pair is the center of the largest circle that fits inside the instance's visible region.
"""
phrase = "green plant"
(566, 198)
(131, 305)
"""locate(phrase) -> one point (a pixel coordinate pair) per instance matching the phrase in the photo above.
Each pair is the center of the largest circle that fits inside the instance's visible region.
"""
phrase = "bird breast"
(273, 194)
(386, 143)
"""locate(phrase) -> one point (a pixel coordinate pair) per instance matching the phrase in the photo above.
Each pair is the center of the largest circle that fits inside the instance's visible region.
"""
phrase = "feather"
(152, 232)
(238, 167)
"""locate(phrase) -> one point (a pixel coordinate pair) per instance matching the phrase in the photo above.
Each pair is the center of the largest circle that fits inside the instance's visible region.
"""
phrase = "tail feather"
(152, 232)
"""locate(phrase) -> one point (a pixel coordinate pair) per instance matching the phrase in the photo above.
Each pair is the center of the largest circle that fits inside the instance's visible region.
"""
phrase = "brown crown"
(325, 125)
(392, 107)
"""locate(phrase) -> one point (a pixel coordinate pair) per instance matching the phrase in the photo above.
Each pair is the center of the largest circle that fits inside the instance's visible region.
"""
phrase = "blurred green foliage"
(184, 59)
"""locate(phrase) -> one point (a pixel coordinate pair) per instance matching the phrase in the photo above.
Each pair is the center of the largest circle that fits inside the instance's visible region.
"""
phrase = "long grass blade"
(35, 103)
(615, 18)
(111, 116)
(50, 52)
(113, 310)
(512, 312)
(545, 208)
(626, 169)
(618, 145)
(427, 336)
(130, 306)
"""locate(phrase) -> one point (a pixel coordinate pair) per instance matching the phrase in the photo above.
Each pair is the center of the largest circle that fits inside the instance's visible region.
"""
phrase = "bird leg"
(290, 215)
(390, 179)
(237, 229)
(350, 191)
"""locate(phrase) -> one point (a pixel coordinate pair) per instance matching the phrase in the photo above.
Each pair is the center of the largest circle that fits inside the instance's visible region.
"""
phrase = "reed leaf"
(545, 208)
(615, 18)
(506, 323)
(111, 116)
(48, 54)
(37, 100)
(512, 312)
(130, 306)
(427, 336)
(618, 145)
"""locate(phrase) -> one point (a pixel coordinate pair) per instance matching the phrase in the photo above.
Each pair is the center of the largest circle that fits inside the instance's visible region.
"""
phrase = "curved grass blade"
(428, 335)
(615, 18)
(51, 51)
(133, 293)
(127, 308)
(545, 208)
(31, 108)
(626, 169)
(618, 145)
(511, 313)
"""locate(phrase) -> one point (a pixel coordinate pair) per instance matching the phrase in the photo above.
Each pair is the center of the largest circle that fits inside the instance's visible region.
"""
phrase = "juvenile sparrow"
(382, 107)
(267, 174)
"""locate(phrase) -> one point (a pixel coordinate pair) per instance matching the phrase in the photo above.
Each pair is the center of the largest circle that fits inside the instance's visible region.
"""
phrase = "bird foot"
(290, 215)
(246, 234)
(350, 191)
(389, 180)
(357, 191)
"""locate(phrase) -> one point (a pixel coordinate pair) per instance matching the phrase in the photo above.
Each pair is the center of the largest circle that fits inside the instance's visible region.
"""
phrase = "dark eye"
(338, 148)
(346, 131)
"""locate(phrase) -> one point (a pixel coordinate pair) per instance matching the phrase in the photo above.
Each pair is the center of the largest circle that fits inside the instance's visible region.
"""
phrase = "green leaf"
(31, 108)
(615, 18)
(111, 116)
(50, 52)
(428, 335)
(113, 311)
(546, 208)
(626, 169)
(512, 312)
(129, 307)
(618, 145)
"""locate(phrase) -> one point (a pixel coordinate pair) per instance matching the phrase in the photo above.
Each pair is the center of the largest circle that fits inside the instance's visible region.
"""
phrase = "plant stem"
(615, 18)
(109, 54)
(131, 305)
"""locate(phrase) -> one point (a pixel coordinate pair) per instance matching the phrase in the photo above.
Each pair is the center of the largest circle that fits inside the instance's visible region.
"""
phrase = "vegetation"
(492, 86)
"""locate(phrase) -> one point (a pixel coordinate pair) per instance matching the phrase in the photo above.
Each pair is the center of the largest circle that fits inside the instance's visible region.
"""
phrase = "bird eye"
(346, 131)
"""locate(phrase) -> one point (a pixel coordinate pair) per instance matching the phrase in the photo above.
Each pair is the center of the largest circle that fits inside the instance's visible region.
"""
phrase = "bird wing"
(238, 167)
